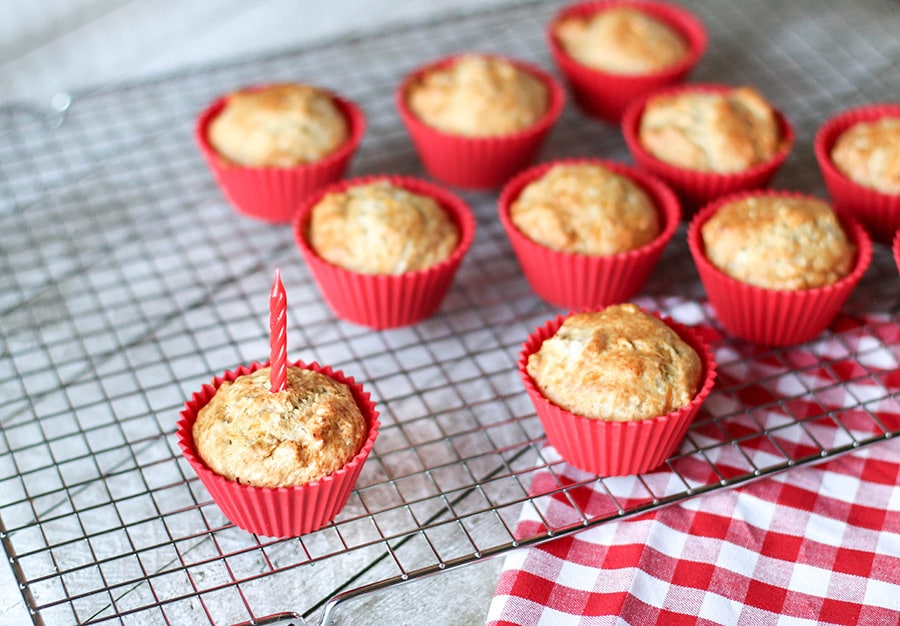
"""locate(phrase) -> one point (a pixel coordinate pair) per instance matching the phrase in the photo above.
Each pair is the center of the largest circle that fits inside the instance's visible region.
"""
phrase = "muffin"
(622, 40)
(476, 119)
(868, 153)
(279, 464)
(587, 232)
(616, 389)
(270, 146)
(708, 140)
(478, 96)
(252, 436)
(858, 152)
(777, 266)
(380, 228)
(280, 125)
(585, 208)
(384, 250)
(778, 242)
(613, 52)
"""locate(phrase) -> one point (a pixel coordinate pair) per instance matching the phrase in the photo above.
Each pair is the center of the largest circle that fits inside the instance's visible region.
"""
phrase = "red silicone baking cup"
(697, 188)
(770, 316)
(478, 162)
(272, 194)
(879, 212)
(605, 95)
(615, 448)
(387, 300)
(578, 281)
(280, 511)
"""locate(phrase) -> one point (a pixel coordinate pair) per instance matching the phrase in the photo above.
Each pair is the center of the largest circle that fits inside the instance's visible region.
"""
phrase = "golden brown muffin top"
(478, 96)
(380, 228)
(250, 435)
(622, 40)
(585, 209)
(712, 132)
(778, 242)
(868, 153)
(280, 125)
(619, 364)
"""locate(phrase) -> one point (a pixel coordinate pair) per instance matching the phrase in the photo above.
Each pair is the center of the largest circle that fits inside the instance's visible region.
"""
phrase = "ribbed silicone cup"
(387, 300)
(613, 448)
(879, 212)
(606, 96)
(478, 162)
(280, 511)
(578, 281)
(696, 188)
(770, 316)
(273, 194)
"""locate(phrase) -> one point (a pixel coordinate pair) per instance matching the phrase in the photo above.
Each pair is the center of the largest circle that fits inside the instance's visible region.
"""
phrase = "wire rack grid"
(126, 282)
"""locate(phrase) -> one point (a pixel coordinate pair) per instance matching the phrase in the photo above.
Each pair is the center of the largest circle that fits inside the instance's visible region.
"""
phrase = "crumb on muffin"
(585, 209)
(710, 131)
(622, 40)
(618, 364)
(252, 436)
(478, 96)
(868, 153)
(280, 125)
(778, 242)
(381, 228)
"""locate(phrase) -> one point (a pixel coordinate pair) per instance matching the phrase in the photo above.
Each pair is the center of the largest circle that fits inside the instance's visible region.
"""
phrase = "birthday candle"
(278, 334)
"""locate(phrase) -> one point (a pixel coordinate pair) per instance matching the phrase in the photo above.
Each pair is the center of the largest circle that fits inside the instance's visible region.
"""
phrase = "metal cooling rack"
(126, 282)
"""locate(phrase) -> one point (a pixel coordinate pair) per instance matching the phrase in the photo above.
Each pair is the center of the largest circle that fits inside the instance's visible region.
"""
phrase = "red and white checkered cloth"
(815, 544)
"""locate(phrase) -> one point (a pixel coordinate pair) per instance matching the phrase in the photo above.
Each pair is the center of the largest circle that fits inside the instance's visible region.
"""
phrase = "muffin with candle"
(612, 52)
(248, 434)
(384, 249)
(587, 232)
(777, 266)
(858, 151)
(270, 146)
(616, 389)
(708, 140)
(279, 463)
(279, 446)
(476, 119)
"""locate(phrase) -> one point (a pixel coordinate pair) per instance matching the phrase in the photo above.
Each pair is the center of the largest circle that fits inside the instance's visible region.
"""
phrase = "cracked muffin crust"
(622, 40)
(618, 364)
(381, 228)
(711, 132)
(280, 125)
(778, 242)
(585, 209)
(250, 435)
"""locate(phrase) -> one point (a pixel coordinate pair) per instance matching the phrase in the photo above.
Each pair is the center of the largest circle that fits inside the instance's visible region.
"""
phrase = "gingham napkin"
(815, 544)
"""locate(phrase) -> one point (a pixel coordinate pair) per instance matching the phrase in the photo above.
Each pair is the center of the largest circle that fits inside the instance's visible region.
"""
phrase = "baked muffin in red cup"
(270, 146)
(477, 119)
(777, 266)
(587, 232)
(384, 250)
(858, 151)
(708, 140)
(279, 464)
(616, 389)
(613, 52)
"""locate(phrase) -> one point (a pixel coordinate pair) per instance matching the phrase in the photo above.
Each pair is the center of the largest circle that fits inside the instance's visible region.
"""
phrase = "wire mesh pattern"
(126, 282)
